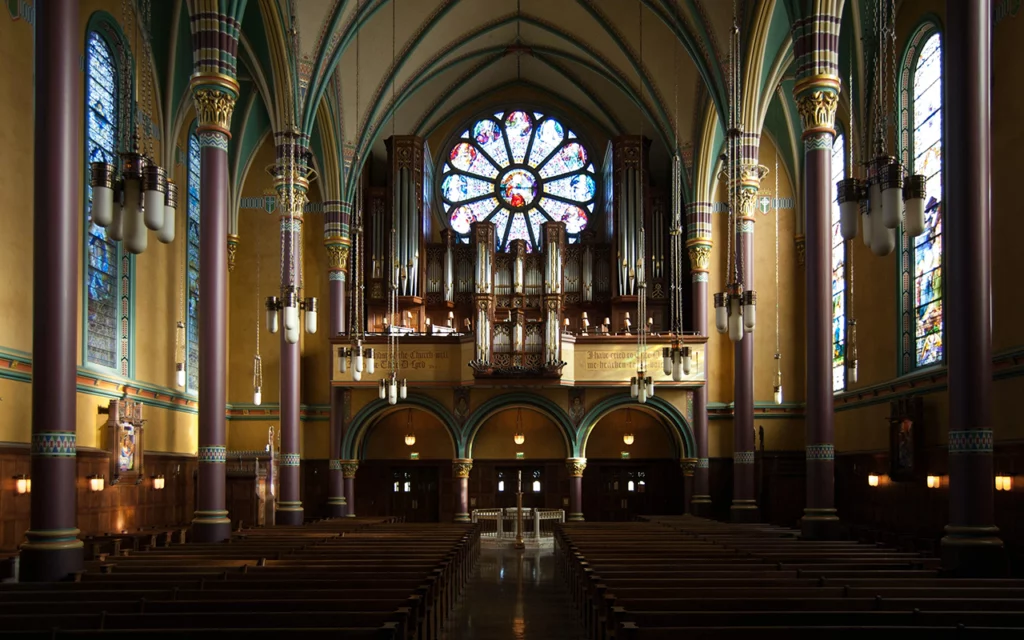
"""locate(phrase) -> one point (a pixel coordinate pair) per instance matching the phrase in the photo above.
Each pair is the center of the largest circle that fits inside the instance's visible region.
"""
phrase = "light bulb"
(735, 319)
(650, 387)
(102, 183)
(778, 394)
(154, 193)
(116, 229)
(382, 389)
(369, 361)
(291, 336)
(342, 362)
(633, 390)
(677, 371)
(848, 197)
(666, 360)
(872, 480)
(851, 371)
(883, 239)
(915, 190)
(357, 359)
(687, 360)
(257, 397)
(357, 375)
(721, 313)
(403, 390)
(891, 182)
(642, 394)
(135, 237)
(272, 321)
(179, 373)
(393, 392)
(749, 303)
(627, 439)
(166, 232)
(291, 317)
(865, 223)
(311, 314)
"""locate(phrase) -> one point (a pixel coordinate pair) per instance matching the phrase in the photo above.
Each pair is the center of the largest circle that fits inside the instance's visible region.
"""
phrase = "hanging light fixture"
(410, 437)
(179, 332)
(257, 362)
(777, 383)
(889, 197)
(127, 200)
(519, 437)
(627, 438)
(641, 386)
(676, 361)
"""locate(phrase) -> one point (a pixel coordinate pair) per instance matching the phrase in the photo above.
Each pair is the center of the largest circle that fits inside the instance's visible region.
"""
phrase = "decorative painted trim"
(290, 459)
(216, 454)
(214, 139)
(259, 454)
(744, 226)
(743, 457)
(54, 444)
(335, 465)
(818, 142)
(703, 463)
(973, 441)
(336, 276)
(824, 451)
(700, 276)
(762, 410)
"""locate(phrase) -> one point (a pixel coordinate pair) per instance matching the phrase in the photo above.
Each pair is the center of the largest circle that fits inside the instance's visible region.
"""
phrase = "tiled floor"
(515, 595)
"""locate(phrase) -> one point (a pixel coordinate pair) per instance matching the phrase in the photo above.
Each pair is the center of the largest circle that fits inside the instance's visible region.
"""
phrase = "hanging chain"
(259, 298)
(776, 195)
(891, 89)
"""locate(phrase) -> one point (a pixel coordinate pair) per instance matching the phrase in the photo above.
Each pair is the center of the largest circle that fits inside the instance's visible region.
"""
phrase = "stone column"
(214, 91)
(336, 240)
(52, 549)
(576, 467)
(336, 504)
(460, 469)
(348, 471)
(744, 504)
(971, 546)
(817, 97)
(689, 466)
(291, 180)
(698, 243)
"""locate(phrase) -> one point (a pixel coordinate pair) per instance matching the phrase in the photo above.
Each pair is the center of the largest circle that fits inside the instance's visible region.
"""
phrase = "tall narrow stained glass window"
(192, 271)
(518, 170)
(838, 274)
(921, 260)
(102, 341)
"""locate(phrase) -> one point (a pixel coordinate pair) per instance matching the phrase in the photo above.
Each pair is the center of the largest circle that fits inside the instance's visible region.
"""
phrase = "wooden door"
(534, 486)
(414, 493)
(624, 492)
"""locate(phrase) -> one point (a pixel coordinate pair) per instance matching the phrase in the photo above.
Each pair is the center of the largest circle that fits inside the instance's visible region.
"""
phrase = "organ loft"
(482, 319)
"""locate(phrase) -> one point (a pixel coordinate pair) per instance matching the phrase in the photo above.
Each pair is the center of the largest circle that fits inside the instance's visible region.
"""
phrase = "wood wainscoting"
(120, 507)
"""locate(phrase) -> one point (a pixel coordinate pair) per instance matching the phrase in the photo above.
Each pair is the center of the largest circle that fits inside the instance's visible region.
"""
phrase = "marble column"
(52, 549)
(291, 180)
(817, 97)
(699, 244)
(689, 466)
(336, 504)
(348, 471)
(337, 243)
(460, 469)
(971, 546)
(744, 504)
(214, 96)
(576, 467)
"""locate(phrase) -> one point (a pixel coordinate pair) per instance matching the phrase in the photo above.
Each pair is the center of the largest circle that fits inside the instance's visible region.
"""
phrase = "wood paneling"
(120, 507)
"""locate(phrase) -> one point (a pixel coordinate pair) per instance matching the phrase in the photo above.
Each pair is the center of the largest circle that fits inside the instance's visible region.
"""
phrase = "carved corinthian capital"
(818, 111)
(700, 257)
(337, 256)
(213, 110)
(232, 251)
(461, 467)
(576, 467)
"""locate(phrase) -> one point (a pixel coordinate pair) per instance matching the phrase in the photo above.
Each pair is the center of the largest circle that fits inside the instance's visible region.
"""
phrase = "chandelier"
(519, 437)
(135, 196)
(410, 437)
(641, 385)
(627, 438)
(735, 309)
(676, 358)
(391, 387)
(257, 362)
(888, 197)
(777, 381)
(295, 178)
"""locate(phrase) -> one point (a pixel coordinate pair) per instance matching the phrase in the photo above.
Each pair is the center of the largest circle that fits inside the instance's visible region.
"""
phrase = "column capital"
(689, 465)
(337, 254)
(349, 468)
(461, 467)
(214, 96)
(700, 257)
(817, 98)
(232, 250)
(576, 466)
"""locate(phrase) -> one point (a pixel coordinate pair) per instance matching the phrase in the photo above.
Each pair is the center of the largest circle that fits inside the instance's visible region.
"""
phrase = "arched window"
(838, 274)
(518, 170)
(192, 261)
(107, 325)
(921, 257)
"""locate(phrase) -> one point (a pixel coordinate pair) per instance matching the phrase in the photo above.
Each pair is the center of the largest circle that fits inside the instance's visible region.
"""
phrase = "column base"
(820, 524)
(288, 513)
(973, 552)
(210, 529)
(350, 515)
(336, 507)
(700, 506)
(50, 561)
(575, 517)
(744, 512)
(462, 518)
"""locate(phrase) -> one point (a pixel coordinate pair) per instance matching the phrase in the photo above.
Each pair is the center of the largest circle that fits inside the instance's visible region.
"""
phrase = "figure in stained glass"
(192, 351)
(838, 274)
(518, 170)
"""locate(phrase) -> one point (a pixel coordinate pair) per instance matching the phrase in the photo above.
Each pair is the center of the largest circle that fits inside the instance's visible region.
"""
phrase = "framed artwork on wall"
(905, 439)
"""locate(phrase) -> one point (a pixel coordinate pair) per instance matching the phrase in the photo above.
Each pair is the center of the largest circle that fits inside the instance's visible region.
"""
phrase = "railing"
(501, 523)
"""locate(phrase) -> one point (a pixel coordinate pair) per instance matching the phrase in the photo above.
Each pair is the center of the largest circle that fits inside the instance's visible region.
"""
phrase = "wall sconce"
(934, 482)
(872, 480)
(627, 438)
(22, 484)
(1004, 483)
(96, 482)
(158, 483)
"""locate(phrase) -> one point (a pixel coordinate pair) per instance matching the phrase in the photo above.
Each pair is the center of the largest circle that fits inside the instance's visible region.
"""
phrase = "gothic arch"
(679, 427)
(355, 436)
(515, 400)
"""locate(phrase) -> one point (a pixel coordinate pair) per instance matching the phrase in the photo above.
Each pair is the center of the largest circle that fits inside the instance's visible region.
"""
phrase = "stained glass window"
(518, 170)
(102, 273)
(192, 351)
(838, 274)
(921, 116)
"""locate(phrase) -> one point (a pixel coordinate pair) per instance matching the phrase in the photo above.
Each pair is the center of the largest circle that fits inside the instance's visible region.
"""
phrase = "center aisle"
(514, 595)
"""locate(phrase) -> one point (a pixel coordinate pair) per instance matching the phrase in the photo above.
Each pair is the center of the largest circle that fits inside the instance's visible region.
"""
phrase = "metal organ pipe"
(449, 280)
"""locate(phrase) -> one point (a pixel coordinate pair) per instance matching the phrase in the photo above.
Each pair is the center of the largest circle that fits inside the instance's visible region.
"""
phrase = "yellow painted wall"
(494, 440)
(386, 438)
(157, 274)
(651, 438)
